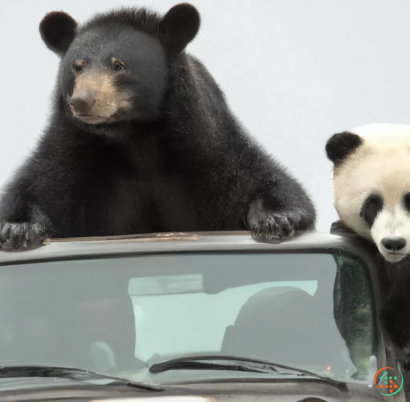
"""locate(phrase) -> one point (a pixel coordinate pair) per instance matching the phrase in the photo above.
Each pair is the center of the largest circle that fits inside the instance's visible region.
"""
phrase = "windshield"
(118, 316)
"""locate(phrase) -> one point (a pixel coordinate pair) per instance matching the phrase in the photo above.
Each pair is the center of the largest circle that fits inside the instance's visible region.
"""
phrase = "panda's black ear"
(58, 30)
(340, 145)
(180, 26)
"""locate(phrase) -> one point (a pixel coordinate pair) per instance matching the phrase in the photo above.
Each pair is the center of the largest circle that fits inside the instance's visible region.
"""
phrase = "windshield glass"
(118, 316)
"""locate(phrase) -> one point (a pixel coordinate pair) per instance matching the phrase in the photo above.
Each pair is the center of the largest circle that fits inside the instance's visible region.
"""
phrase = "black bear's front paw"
(22, 236)
(268, 225)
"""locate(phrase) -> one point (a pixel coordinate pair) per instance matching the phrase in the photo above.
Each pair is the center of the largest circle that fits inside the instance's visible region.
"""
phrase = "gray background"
(294, 71)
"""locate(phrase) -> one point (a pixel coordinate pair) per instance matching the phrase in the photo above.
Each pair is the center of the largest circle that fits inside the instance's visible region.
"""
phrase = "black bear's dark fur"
(174, 159)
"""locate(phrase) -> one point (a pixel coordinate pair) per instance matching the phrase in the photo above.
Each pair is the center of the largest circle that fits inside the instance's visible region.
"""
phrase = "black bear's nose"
(392, 244)
(82, 101)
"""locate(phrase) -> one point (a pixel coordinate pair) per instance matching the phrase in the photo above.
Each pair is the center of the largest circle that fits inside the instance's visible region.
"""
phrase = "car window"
(120, 315)
(194, 322)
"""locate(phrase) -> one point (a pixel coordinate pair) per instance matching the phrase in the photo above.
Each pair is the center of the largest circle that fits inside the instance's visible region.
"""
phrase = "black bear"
(141, 140)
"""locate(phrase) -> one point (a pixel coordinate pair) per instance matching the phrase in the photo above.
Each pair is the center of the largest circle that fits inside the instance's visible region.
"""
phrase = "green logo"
(388, 381)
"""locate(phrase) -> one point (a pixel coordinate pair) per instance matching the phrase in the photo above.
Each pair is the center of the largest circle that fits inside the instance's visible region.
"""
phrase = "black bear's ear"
(58, 29)
(180, 25)
(340, 145)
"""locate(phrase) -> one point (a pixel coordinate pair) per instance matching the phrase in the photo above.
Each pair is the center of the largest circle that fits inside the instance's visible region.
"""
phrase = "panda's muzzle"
(393, 244)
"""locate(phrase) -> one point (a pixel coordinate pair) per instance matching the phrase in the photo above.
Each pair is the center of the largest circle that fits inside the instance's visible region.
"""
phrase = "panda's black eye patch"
(370, 208)
(406, 201)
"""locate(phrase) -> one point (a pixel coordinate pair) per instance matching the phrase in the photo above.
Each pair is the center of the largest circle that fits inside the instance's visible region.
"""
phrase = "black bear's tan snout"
(82, 101)
(393, 244)
(97, 98)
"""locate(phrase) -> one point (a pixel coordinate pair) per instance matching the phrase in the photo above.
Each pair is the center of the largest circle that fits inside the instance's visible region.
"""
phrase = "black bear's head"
(115, 67)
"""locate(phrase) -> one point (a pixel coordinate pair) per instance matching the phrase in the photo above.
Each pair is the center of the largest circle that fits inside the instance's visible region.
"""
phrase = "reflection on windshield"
(118, 316)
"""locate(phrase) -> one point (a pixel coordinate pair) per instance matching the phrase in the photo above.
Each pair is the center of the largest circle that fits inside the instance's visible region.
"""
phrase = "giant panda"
(371, 194)
(371, 184)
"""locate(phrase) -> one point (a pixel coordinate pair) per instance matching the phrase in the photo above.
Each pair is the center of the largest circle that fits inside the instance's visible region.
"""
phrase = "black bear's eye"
(117, 66)
(406, 202)
(78, 65)
(370, 208)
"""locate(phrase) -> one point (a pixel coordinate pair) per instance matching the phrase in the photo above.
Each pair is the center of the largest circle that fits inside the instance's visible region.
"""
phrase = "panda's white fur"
(380, 164)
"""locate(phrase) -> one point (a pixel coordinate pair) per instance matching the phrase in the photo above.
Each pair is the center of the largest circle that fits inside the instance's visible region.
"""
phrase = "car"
(197, 317)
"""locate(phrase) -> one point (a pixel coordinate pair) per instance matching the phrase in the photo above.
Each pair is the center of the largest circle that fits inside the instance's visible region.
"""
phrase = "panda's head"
(371, 184)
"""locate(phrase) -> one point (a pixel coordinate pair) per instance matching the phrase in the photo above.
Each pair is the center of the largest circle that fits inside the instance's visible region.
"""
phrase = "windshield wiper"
(70, 374)
(196, 362)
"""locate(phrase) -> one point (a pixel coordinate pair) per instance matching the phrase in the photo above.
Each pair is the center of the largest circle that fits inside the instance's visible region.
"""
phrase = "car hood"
(306, 390)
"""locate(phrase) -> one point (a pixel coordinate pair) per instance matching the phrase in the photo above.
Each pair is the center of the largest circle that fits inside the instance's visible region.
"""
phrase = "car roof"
(160, 243)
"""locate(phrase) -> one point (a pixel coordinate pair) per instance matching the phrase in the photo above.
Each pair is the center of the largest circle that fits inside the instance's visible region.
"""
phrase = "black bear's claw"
(269, 225)
(22, 236)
